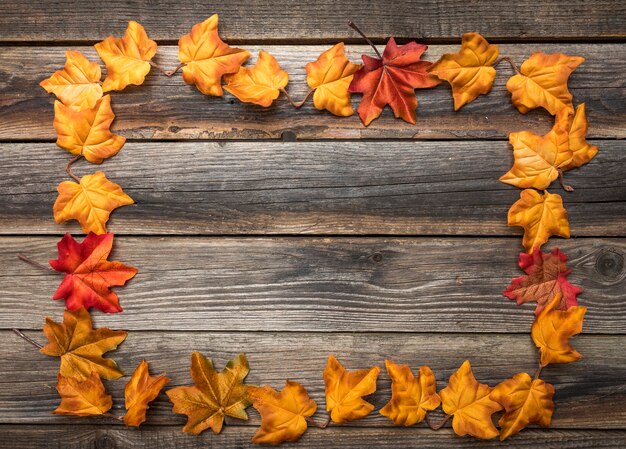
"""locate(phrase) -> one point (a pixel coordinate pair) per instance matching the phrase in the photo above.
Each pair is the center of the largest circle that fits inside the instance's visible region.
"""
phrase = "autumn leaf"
(392, 81)
(470, 72)
(86, 397)
(127, 59)
(87, 131)
(260, 84)
(552, 330)
(207, 58)
(78, 84)
(90, 202)
(141, 389)
(214, 395)
(331, 76)
(542, 82)
(546, 276)
(411, 396)
(469, 404)
(283, 415)
(81, 347)
(344, 391)
(525, 401)
(541, 216)
(582, 152)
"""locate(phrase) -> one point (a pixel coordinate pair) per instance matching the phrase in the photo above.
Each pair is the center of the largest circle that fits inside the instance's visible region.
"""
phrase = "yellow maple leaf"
(82, 397)
(90, 202)
(141, 389)
(207, 58)
(260, 84)
(127, 59)
(470, 72)
(78, 84)
(331, 76)
(582, 152)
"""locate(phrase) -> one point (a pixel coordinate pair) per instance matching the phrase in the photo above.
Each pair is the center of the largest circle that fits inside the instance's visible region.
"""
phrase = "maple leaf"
(392, 81)
(207, 58)
(330, 75)
(411, 396)
(81, 347)
(78, 84)
(552, 330)
(283, 415)
(469, 404)
(214, 395)
(260, 84)
(541, 216)
(344, 391)
(546, 275)
(470, 72)
(525, 401)
(582, 152)
(86, 397)
(141, 389)
(87, 131)
(90, 202)
(127, 59)
(542, 82)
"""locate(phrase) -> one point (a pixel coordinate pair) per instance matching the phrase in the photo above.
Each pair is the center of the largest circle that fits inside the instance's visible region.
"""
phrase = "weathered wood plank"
(323, 285)
(27, 395)
(167, 108)
(319, 21)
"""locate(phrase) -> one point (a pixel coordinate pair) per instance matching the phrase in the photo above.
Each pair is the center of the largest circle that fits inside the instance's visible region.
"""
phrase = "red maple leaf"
(89, 275)
(546, 276)
(392, 81)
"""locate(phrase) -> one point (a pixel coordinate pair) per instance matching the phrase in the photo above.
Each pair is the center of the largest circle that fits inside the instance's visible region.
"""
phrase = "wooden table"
(292, 234)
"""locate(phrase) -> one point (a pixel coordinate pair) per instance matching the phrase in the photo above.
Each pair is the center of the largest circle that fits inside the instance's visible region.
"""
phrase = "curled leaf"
(260, 84)
(86, 397)
(141, 389)
(582, 152)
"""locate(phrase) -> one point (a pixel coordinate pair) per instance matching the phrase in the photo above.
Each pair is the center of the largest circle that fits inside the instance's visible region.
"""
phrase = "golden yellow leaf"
(469, 404)
(552, 330)
(344, 391)
(141, 389)
(582, 152)
(87, 131)
(331, 76)
(411, 397)
(81, 347)
(259, 84)
(207, 58)
(470, 72)
(127, 59)
(90, 202)
(541, 216)
(542, 82)
(78, 84)
(82, 397)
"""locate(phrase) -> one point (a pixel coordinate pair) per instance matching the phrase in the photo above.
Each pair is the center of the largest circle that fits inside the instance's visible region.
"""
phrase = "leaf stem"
(293, 103)
(166, 72)
(440, 425)
(538, 372)
(352, 25)
(68, 168)
(314, 423)
(111, 415)
(28, 339)
(510, 61)
(34, 263)
(173, 72)
(566, 187)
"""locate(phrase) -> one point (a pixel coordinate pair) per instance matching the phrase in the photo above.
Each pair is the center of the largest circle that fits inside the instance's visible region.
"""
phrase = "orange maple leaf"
(86, 397)
(582, 152)
(141, 389)
(260, 84)
(207, 58)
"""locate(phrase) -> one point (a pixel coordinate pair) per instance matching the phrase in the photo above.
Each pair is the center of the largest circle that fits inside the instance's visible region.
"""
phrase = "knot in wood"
(610, 264)
(104, 442)
(377, 257)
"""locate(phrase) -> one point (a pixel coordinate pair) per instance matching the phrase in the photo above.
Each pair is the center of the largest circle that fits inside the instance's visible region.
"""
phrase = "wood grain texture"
(167, 108)
(322, 285)
(407, 188)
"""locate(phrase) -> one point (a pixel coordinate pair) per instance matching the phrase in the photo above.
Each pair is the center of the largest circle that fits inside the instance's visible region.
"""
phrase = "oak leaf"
(128, 58)
(344, 390)
(552, 330)
(411, 396)
(542, 82)
(90, 202)
(260, 84)
(141, 389)
(207, 58)
(541, 216)
(80, 347)
(214, 396)
(330, 75)
(582, 152)
(392, 81)
(87, 131)
(283, 415)
(546, 276)
(469, 404)
(525, 401)
(470, 72)
(86, 397)
(78, 84)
